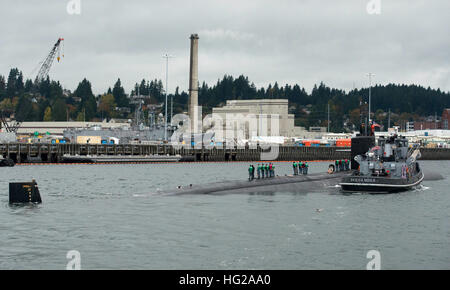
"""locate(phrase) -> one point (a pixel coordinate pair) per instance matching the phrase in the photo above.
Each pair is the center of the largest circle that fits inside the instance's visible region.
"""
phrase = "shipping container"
(89, 139)
(309, 143)
(344, 142)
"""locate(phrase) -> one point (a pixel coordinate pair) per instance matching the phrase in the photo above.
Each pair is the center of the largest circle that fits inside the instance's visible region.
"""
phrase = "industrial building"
(253, 118)
(434, 123)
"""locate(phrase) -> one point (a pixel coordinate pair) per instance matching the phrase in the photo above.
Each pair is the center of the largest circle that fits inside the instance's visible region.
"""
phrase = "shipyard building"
(253, 118)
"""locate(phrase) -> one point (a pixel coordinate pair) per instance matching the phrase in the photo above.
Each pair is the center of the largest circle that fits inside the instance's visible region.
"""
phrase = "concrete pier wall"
(54, 152)
(435, 153)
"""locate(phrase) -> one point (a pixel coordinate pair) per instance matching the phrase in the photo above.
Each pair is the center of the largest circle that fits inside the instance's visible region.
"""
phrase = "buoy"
(24, 192)
(331, 169)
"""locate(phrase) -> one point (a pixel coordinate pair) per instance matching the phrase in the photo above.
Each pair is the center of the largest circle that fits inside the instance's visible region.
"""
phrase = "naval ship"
(387, 168)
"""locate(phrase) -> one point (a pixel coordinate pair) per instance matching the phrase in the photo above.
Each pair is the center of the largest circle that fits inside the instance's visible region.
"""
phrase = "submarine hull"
(301, 183)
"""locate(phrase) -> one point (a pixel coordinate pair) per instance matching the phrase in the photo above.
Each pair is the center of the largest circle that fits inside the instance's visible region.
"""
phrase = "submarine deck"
(233, 185)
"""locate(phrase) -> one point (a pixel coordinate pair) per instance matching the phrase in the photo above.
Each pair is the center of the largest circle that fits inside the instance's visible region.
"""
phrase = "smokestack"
(193, 84)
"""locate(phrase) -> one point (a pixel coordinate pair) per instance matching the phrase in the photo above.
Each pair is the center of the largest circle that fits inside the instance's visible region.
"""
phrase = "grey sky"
(287, 41)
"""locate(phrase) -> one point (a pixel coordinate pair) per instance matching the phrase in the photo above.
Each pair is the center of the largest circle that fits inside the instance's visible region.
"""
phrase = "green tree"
(23, 109)
(6, 105)
(107, 106)
(355, 117)
(48, 114)
(12, 85)
(2, 87)
(80, 116)
(88, 103)
(119, 95)
(29, 101)
(59, 111)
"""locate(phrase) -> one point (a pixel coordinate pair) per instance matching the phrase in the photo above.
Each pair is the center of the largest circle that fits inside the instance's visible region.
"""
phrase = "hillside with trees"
(25, 100)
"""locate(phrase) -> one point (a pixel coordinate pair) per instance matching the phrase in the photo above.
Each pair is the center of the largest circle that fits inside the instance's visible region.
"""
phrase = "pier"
(53, 153)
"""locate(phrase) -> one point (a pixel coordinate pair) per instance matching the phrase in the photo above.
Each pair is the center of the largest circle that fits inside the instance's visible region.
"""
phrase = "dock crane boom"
(47, 63)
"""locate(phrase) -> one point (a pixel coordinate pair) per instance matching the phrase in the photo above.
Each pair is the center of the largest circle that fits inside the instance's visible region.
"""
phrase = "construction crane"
(47, 63)
(9, 127)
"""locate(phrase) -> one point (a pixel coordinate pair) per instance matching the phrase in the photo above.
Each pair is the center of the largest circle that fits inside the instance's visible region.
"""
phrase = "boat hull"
(375, 184)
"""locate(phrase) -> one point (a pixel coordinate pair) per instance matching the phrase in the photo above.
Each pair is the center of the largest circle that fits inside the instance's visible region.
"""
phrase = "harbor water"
(116, 218)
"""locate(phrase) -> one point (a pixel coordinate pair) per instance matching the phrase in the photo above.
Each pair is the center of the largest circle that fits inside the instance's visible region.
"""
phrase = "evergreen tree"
(30, 101)
(2, 88)
(12, 85)
(88, 104)
(59, 110)
(23, 109)
(119, 95)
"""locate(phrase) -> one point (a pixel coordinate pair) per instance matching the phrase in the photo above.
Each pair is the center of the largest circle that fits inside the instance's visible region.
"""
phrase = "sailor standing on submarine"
(250, 173)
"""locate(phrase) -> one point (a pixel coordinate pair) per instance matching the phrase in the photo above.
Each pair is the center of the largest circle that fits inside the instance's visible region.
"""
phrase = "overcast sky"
(289, 41)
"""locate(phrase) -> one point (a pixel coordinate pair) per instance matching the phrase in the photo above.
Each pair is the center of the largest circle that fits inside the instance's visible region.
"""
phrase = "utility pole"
(435, 121)
(166, 56)
(389, 119)
(370, 92)
(138, 112)
(260, 119)
(328, 123)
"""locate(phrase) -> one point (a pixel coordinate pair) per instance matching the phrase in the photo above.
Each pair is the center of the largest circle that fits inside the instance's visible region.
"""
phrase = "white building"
(57, 128)
(246, 119)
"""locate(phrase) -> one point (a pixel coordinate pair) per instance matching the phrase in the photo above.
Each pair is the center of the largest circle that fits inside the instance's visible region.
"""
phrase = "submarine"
(361, 144)
(290, 183)
(296, 183)
(328, 181)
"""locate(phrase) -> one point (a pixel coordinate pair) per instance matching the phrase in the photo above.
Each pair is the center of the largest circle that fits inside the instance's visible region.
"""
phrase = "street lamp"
(166, 56)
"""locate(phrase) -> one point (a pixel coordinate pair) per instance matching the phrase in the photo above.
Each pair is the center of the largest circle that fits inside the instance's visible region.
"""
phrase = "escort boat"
(387, 168)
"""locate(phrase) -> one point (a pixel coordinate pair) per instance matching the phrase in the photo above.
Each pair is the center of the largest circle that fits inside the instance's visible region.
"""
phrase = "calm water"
(112, 216)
